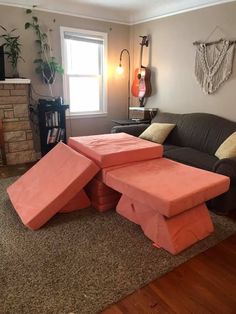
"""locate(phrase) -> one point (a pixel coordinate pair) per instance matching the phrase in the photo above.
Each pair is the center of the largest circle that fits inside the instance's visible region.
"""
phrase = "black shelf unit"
(52, 124)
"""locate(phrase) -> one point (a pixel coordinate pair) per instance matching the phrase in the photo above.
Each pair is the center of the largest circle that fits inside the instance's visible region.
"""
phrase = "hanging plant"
(46, 64)
(12, 48)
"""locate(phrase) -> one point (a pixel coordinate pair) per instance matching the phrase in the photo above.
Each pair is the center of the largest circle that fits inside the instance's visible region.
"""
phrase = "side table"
(130, 121)
(142, 113)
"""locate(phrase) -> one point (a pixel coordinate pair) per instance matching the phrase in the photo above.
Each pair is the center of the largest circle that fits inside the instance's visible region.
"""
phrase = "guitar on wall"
(141, 86)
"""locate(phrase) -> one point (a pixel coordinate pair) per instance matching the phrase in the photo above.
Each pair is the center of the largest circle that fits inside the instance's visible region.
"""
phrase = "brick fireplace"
(16, 126)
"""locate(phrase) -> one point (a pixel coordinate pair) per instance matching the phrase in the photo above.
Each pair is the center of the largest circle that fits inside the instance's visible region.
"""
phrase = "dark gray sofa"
(194, 141)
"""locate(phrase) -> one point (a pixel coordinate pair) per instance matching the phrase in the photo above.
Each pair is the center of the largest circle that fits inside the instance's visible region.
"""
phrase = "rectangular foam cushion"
(165, 185)
(50, 185)
(115, 149)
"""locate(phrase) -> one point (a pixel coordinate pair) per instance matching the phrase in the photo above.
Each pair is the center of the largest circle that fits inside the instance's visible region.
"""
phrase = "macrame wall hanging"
(213, 63)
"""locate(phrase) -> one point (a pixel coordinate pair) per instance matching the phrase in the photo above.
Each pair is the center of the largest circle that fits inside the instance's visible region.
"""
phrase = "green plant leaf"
(38, 61)
(44, 36)
(27, 25)
(46, 46)
(35, 19)
(3, 28)
(38, 70)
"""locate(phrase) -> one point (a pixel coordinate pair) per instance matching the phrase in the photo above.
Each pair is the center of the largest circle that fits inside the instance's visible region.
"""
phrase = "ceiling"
(119, 11)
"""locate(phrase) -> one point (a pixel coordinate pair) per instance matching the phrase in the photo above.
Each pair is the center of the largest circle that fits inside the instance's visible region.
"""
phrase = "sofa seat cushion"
(202, 131)
(168, 147)
(191, 157)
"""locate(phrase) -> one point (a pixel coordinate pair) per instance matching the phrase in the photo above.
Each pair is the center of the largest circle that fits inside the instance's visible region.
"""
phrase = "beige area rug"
(80, 262)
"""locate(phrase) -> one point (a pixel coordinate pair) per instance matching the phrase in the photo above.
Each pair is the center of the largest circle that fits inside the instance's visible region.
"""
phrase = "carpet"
(80, 262)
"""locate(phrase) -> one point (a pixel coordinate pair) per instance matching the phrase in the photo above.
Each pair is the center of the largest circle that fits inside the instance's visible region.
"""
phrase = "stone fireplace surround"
(14, 115)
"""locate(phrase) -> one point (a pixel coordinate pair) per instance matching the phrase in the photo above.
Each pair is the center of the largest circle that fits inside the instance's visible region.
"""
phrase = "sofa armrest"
(227, 167)
(131, 129)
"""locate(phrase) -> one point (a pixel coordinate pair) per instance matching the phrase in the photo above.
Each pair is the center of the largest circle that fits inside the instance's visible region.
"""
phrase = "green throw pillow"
(228, 148)
(157, 132)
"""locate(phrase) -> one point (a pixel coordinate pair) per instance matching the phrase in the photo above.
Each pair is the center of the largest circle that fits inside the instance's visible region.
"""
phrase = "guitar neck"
(141, 56)
(144, 42)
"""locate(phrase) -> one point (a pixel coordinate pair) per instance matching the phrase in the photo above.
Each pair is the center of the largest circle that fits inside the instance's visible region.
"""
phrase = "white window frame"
(103, 97)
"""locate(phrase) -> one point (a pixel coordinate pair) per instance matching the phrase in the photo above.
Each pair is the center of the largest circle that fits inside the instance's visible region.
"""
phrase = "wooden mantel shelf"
(15, 81)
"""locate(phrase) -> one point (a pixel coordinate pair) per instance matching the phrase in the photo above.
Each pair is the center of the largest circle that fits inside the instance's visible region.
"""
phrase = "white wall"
(118, 38)
(172, 56)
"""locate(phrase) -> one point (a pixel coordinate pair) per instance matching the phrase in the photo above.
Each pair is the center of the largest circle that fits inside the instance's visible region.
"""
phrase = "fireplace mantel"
(15, 81)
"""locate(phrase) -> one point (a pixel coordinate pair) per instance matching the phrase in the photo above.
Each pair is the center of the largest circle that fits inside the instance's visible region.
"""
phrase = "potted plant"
(12, 48)
(46, 64)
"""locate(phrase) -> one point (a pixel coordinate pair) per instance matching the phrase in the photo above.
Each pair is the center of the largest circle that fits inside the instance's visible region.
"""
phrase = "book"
(49, 136)
(62, 135)
(58, 135)
(53, 135)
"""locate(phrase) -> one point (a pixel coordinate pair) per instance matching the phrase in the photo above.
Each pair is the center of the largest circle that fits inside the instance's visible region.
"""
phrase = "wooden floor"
(204, 284)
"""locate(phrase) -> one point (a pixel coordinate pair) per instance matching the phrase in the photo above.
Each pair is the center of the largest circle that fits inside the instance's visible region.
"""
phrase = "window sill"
(86, 115)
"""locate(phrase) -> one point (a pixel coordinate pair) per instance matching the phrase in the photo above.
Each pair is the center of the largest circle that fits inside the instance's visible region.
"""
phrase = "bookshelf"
(52, 125)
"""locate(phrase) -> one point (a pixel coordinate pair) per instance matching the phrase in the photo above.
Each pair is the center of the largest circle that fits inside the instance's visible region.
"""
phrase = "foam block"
(108, 150)
(98, 188)
(167, 186)
(80, 201)
(105, 207)
(173, 234)
(49, 186)
(102, 197)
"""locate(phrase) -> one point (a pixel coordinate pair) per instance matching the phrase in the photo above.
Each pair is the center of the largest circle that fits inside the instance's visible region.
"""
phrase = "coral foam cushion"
(175, 233)
(165, 185)
(49, 186)
(79, 201)
(115, 149)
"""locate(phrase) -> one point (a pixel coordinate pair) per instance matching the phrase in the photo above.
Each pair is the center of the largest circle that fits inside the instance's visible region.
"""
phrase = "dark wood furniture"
(130, 121)
(52, 125)
(142, 113)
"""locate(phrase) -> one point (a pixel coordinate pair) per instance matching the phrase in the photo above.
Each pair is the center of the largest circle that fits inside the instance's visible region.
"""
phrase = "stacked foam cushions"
(102, 197)
(111, 150)
(54, 184)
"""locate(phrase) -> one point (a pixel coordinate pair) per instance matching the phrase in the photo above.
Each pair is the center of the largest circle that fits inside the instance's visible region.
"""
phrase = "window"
(84, 61)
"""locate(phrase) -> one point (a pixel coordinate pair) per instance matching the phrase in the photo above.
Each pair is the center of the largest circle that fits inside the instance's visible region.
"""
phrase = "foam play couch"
(194, 141)
(166, 198)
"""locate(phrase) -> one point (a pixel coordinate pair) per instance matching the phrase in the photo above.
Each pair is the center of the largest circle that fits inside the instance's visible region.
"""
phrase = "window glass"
(81, 96)
(84, 62)
(82, 57)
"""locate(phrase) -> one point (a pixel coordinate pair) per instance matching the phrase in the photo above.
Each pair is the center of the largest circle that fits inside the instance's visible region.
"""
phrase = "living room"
(170, 55)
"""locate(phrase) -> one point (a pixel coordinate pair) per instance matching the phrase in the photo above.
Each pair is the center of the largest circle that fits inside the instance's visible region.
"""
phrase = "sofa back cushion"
(201, 131)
